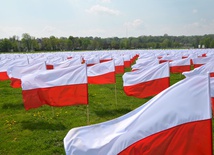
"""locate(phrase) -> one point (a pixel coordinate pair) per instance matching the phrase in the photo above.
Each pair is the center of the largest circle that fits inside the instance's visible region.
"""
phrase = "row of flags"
(170, 123)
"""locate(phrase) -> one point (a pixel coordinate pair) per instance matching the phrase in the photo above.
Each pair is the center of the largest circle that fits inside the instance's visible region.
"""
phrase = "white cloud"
(98, 9)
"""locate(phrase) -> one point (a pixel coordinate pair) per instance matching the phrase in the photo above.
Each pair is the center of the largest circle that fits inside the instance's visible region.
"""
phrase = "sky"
(106, 18)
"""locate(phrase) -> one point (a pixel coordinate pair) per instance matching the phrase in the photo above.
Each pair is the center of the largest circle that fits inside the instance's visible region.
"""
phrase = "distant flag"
(4, 66)
(171, 123)
(144, 63)
(127, 60)
(180, 66)
(119, 65)
(68, 63)
(147, 82)
(197, 62)
(105, 57)
(61, 87)
(101, 73)
(16, 72)
(204, 69)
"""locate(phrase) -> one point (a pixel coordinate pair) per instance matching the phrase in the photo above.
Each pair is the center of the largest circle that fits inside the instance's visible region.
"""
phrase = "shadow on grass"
(17, 106)
(106, 113)
(42, 125)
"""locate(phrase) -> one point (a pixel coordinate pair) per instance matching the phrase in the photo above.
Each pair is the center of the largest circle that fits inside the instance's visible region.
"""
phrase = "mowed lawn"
(41, 130)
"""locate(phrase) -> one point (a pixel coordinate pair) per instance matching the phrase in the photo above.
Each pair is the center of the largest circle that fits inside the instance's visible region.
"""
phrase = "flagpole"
(208, 74)
(87, 113)
(115, 93)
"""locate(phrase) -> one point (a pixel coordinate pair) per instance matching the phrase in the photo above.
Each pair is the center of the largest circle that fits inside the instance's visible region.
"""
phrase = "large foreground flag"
(171, 123)
(101, 73)
(147, 81)
(61, 87)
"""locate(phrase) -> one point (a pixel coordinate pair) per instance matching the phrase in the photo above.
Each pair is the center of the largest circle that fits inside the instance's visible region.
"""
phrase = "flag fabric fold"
(61, 87)
(170, 123)
(148, 81)
(101, 73)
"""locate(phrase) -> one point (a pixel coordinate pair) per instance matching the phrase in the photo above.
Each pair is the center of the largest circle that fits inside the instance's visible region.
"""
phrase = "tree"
(5, 45)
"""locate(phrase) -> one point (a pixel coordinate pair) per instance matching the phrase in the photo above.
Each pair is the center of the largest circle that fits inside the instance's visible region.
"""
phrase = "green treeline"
(29, 43)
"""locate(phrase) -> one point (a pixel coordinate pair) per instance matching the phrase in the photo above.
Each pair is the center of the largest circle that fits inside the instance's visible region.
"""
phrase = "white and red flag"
(144, 63)
(171, 123)
(16, 72)
(148, 81)
(119, 65)
(7, 64)
(68, 63)
(61, 87)
(101, 73)
(180, 66)
(204, 69)
(197, 62)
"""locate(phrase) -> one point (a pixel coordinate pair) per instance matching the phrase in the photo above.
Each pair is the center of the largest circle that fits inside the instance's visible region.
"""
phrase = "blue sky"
(106, 18)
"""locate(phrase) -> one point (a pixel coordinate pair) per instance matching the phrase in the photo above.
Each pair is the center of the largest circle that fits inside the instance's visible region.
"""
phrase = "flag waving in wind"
(147, 81)
(61, 87)
(171, 123)
(101, 73)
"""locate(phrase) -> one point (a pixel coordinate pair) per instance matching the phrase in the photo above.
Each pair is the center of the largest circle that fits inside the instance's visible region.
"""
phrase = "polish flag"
(102, 73)
(16, 72)
(127, 60)
(197, 62)
(8, 64)
(105, 57)
(168, 124)
(68, 63)
(60, 87)
(180, 66)
(148, 81)
(119, 65)
(145, 63)
(204, 69)
(92, 61)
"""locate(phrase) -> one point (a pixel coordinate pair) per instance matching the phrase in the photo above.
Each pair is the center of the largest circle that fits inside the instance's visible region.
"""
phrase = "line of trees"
(29, 43)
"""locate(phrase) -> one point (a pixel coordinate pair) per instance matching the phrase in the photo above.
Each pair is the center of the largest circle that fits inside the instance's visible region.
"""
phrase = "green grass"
(41, 130)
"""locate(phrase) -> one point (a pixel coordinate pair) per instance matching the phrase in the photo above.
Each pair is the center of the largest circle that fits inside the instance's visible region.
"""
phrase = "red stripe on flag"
(56, 96)
(15, 83)
(197, 65)
(119, 69)
(166, 142)
(4, 76)
(127, 64)
(179, 69)
(149, 88)
(107, 78)
(49, 67)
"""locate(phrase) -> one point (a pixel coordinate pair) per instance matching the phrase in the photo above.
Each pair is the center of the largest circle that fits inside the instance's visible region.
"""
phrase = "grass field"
(41, 130)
